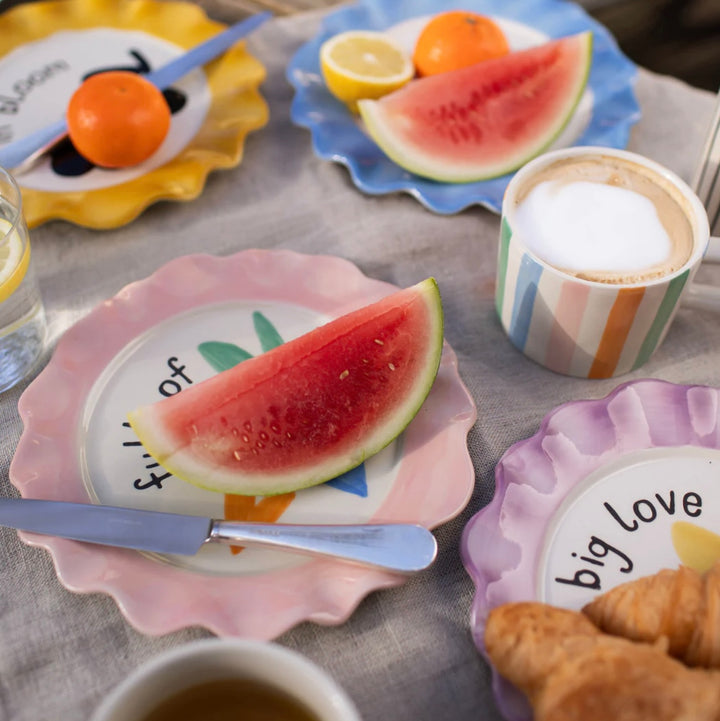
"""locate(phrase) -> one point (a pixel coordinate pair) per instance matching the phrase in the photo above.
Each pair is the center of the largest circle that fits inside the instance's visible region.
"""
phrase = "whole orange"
(117, 119)
(455, 40)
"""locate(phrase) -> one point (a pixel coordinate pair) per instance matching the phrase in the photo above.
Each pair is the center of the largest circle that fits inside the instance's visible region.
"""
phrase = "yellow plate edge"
(237, 106)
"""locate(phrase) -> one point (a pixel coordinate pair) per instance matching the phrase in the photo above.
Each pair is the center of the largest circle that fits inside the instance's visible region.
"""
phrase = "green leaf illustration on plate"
(266, 332)
(222, 356)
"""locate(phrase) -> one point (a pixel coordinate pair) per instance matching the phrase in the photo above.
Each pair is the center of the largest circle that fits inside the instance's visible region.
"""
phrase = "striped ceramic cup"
(581, 327)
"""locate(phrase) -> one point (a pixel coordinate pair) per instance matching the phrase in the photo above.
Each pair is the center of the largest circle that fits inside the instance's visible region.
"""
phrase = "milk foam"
(587, 226)
(603, 219)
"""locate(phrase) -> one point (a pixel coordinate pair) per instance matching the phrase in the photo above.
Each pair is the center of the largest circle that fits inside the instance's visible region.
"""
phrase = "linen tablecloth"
(405, 653)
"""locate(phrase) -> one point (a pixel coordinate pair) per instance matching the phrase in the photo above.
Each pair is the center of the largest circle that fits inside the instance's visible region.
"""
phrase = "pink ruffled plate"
(144, 343)
(606, 491)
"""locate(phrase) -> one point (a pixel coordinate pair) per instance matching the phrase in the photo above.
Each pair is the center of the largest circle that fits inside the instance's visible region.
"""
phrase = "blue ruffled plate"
(604, 116)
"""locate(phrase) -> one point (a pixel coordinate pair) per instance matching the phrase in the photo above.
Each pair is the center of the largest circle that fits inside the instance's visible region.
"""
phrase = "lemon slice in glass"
(362, 64)
(14, 260)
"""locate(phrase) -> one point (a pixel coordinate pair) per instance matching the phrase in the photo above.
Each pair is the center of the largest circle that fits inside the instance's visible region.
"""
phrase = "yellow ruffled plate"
(46, 48)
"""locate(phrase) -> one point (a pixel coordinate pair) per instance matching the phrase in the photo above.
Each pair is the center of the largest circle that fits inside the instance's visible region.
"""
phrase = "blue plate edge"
(612, 80)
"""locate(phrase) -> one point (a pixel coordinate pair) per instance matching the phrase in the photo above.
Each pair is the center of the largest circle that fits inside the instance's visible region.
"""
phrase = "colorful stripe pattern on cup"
(555, 323)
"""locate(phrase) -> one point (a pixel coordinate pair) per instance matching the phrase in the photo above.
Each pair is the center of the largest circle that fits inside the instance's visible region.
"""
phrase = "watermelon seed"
(235, 431)
(263, 436)
(237, 455)
(344, 375)
(259, 444)
(247, 426)
(379, 342)
(391, 366)
(246, 438)
(275, 428)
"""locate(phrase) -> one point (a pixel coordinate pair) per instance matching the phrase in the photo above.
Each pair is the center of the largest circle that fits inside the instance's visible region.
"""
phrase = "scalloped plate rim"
(442, 198)
(488, 578)
(200, 156)
(128, 576)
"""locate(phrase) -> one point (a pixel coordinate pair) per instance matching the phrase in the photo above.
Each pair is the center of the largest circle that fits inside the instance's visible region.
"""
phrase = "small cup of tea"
(597, 249)
(228, 678)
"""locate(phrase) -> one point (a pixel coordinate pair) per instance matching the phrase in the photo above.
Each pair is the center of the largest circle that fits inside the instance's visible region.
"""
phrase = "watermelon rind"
(153, 423)
(386, 126)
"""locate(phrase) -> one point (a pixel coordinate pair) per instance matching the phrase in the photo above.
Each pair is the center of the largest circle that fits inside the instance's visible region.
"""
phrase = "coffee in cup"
(605, 219)
(225, 699)
(228, 678)
(597, 248)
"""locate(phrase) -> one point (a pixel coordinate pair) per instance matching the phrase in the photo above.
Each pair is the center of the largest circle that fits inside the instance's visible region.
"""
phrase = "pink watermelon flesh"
(307, 410)
(484, 120)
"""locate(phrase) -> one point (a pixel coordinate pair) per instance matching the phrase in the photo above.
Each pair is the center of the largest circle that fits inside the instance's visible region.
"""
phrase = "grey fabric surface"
(405, 653)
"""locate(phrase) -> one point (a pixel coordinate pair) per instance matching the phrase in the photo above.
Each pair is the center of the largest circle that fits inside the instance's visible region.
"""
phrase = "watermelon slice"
(484, 120)
(308, 410)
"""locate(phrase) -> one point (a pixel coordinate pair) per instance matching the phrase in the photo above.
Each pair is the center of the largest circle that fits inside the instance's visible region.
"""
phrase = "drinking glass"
(22, 317)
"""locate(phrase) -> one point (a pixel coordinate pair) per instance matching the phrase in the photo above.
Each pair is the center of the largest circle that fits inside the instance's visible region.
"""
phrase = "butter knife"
(16, 155)
(398, 547)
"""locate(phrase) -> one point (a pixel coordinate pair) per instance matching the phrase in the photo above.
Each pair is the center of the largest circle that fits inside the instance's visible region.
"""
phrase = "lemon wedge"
(361, 64)
(14, 260)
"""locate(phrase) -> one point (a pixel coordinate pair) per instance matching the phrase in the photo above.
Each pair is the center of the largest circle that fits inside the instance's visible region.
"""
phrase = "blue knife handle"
(15, 153)
(203, 53)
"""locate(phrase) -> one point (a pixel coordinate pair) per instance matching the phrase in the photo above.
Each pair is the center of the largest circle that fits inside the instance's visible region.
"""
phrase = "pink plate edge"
(157, 598)
(500, 545)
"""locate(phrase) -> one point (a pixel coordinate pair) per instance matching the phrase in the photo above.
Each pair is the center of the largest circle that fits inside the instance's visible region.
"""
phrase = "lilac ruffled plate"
(606, 491)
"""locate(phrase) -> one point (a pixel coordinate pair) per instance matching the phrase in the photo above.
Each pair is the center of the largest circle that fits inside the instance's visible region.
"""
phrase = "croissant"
(544, 638)
(680, 605)
(570, 671)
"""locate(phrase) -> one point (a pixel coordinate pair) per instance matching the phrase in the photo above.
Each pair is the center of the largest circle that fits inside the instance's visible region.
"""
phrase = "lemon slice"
(361, 64)
(14, 260)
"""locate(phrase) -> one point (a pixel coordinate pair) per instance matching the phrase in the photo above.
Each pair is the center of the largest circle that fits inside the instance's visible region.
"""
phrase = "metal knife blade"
(17, 153)
(393, 546)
